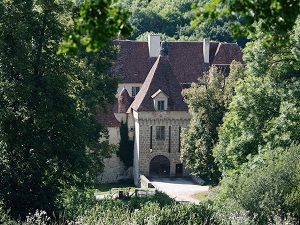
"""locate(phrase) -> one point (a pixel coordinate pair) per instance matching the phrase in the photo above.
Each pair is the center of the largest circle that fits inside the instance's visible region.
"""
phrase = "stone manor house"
(152, 76)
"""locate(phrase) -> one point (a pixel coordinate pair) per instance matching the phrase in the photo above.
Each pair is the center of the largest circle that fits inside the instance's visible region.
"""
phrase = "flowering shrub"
(39, 217)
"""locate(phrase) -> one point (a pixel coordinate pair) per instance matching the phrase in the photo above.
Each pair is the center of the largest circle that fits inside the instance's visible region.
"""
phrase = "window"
(150, 138)
(169, 138)
(160, 105)
(179, 139)
(135, 90)
(160, 133)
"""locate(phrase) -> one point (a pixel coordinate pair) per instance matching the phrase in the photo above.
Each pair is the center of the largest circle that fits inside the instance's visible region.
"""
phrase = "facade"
(153, 75)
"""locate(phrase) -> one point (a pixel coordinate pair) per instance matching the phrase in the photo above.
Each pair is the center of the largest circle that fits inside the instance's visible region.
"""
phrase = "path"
(181, 189)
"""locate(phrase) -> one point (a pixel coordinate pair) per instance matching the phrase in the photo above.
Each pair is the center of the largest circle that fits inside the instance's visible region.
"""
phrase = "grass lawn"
(111, 188)
(207, 195)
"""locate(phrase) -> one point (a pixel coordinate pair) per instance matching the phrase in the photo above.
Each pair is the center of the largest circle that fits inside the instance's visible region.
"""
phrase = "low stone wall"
(114, 170)
(144, 182)
(198, 180)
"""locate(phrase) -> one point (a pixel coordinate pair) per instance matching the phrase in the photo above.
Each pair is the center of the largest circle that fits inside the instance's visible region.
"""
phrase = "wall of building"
(159, 147)
(136, 153)
(114, 169)
(128, 87)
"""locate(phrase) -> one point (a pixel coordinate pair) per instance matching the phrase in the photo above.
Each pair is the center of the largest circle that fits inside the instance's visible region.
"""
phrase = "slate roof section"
(187, 62)
(161, 77)
(226, 53)
(107, 118)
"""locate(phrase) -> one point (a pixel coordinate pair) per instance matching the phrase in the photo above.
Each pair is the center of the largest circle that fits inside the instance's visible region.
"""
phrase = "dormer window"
(160, 100)
(161, 105)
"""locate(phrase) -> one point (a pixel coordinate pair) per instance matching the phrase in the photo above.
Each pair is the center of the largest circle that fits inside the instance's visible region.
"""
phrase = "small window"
(160, 133)
(135, 90)
(160, 105)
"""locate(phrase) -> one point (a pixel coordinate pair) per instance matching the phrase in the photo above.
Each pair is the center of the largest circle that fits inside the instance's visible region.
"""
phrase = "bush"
(266, 186)
(75, 201)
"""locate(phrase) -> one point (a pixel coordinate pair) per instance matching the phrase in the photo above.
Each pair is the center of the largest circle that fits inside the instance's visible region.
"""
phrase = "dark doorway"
(160, 166)
(179, 170)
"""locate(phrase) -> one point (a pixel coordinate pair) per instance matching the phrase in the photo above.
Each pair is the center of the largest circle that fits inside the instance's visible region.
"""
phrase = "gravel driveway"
(181, 189)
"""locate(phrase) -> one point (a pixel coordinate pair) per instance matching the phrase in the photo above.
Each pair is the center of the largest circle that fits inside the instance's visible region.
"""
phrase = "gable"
(160, 81)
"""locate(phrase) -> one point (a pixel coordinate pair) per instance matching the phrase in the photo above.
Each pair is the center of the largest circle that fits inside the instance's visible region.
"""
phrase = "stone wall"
(166, 147)
(114, 170)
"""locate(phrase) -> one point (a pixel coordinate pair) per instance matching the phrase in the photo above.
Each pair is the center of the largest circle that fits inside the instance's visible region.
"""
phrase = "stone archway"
(160, 166)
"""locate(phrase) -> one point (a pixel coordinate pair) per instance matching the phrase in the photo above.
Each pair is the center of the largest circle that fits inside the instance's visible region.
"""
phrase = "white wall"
(114, 169)
(128, 87)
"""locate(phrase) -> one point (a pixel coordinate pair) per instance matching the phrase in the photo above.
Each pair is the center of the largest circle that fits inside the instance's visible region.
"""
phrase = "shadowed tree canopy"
(48, 132)
(97, 22)
(274, 18)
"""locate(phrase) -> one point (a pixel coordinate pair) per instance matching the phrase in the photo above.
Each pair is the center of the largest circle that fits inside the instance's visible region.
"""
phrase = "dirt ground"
(181, 189)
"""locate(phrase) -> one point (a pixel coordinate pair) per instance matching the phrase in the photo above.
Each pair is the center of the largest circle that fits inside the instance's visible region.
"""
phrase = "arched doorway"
(160, 166)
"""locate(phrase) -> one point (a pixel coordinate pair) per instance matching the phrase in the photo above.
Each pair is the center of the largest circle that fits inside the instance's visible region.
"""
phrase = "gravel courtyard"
(181, 189)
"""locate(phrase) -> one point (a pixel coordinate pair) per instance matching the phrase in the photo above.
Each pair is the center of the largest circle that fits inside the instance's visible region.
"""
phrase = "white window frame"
(135, 90)
(161, 105)
(160, 133)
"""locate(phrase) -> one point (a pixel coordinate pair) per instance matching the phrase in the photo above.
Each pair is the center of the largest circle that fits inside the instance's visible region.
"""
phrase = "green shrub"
(266, 186)
(75, 201)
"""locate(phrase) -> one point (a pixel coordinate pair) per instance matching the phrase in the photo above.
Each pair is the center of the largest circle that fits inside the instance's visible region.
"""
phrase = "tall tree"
(207, 103)
(126, 146)
(97, 22)
(264, 114)
(47, 107)
(274, 18)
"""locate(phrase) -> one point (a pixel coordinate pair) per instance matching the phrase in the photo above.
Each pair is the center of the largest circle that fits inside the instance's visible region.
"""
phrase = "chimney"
(206, 50)
(164, 49)
(154, 45)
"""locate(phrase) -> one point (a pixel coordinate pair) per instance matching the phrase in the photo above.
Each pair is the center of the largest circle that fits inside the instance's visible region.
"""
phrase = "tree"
(172, 19)
(264, 113)
(207, 103)
(126, 146)
(47, 107)
(97, 22)
(268, 185)
(275, 18)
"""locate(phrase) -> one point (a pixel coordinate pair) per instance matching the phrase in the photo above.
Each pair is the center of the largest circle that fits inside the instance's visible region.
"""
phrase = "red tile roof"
(186, 58)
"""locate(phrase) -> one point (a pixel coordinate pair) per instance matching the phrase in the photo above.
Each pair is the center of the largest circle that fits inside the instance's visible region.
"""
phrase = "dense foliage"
(258, 148)
(172, 19)
(47, 107)
(275, 18)
(207, 101)
(267, 185)
(97, 22)
(264, 114)
(157, 209)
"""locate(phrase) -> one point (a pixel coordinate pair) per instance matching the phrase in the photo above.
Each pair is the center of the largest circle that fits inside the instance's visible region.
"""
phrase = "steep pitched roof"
(161, 77)
(187, 61)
